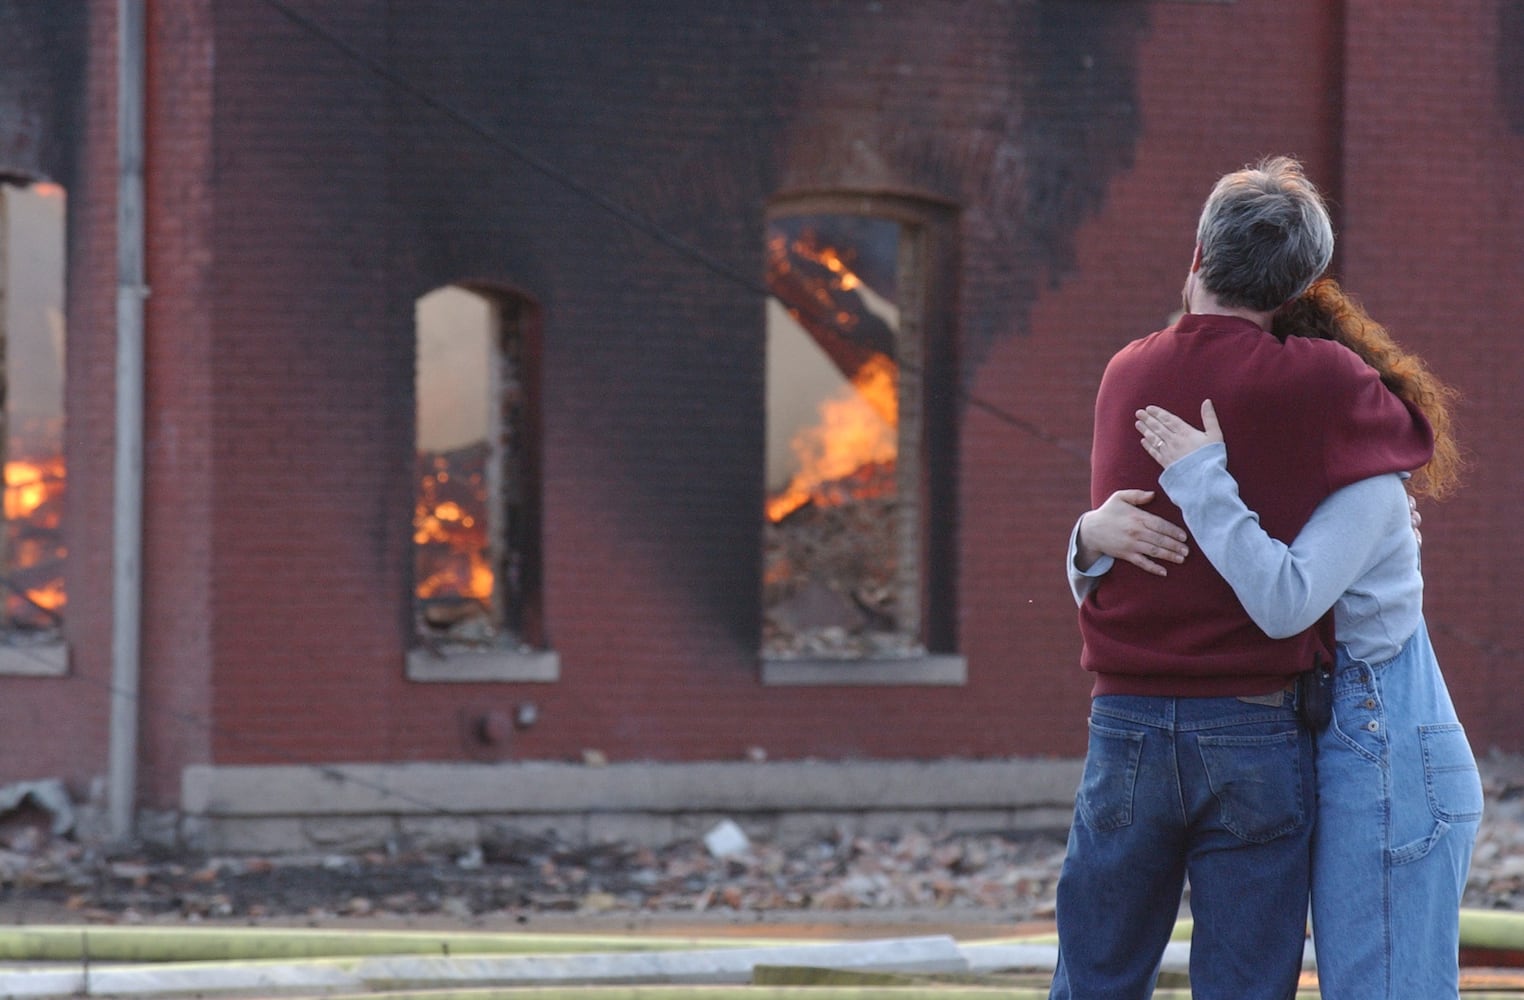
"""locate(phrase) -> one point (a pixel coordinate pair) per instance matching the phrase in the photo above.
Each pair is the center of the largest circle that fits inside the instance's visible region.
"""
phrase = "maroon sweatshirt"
(1302, 419)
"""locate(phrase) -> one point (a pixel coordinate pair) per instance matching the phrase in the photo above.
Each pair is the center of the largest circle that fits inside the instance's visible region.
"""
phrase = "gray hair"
(1265, 235)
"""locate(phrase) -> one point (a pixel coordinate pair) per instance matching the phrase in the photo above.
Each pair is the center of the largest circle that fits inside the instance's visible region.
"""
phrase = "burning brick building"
(565, 416)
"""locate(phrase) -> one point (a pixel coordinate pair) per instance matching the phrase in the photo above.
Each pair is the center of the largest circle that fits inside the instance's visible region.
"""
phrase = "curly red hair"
(1326, 312)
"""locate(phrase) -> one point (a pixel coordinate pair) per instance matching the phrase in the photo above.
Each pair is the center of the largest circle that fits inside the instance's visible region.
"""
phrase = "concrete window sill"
(50, 659)
(932, 670)
(462, 665)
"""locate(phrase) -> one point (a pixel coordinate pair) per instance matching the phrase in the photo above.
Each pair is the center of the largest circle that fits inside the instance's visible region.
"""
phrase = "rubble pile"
(1007, 877)
(1497, 863)
(1011, 876)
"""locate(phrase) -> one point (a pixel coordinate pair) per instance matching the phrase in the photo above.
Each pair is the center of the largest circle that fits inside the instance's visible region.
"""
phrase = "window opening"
(475, 517)
(33, 596)
(842, 531)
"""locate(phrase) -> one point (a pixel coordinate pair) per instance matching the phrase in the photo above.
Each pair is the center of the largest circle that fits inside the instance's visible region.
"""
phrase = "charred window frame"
(33, 551)
(477, 571)
(911, 638)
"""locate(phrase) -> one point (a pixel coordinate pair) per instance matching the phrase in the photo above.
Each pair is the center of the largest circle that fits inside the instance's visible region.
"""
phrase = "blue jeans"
(1219, 789)
(1399, 800)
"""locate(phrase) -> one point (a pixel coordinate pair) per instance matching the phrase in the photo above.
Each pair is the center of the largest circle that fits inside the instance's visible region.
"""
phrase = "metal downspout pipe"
(127, 512)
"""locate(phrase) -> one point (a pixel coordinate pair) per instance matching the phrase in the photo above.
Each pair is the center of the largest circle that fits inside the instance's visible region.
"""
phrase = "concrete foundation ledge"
(340, 807)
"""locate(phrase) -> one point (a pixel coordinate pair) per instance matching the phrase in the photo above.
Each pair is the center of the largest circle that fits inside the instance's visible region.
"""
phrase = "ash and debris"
(997, 877)
(831, 577)
(517, 880)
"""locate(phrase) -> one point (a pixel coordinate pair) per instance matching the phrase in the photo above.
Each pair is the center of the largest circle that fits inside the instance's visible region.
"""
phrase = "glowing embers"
(34, 593)
(454, 580)
(834, 530)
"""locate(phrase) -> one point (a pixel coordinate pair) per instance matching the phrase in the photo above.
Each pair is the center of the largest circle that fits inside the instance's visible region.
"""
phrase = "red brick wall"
(310, 382)
(298, 208)
(1434, 232)
(180, 453)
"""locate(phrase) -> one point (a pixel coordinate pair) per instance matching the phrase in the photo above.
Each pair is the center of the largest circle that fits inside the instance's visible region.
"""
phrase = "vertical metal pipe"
(127, 515)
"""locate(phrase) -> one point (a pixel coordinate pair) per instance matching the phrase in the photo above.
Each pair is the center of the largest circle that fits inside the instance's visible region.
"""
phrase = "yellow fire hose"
(1500, 930)
(1480, 929)
(90, 943)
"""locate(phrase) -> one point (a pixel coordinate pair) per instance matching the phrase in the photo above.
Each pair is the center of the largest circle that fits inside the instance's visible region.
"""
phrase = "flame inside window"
(843, 457)
(33, 555)
(452, 566)
(475, 515)
(831, 584)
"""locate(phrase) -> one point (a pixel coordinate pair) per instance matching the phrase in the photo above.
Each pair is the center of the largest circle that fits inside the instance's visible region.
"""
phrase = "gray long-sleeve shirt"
(1357, 554)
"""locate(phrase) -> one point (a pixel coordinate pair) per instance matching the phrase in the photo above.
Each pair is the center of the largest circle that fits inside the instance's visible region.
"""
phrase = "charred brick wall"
(698, 118)
(299, 205)
(42, 89)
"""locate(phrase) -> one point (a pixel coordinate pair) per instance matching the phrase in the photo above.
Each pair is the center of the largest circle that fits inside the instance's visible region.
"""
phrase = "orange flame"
(50, 596)
(28, 485)
(857, 428)
(805, 247)
(846, 279)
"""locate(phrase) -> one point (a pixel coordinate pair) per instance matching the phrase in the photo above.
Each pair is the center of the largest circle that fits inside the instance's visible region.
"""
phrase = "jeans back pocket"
(1258, 783)
(1111, 776)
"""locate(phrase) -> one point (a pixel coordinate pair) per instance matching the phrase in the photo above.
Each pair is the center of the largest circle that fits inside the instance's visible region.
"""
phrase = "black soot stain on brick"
(1082, 119)
(42, 74)
(1511, 63)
